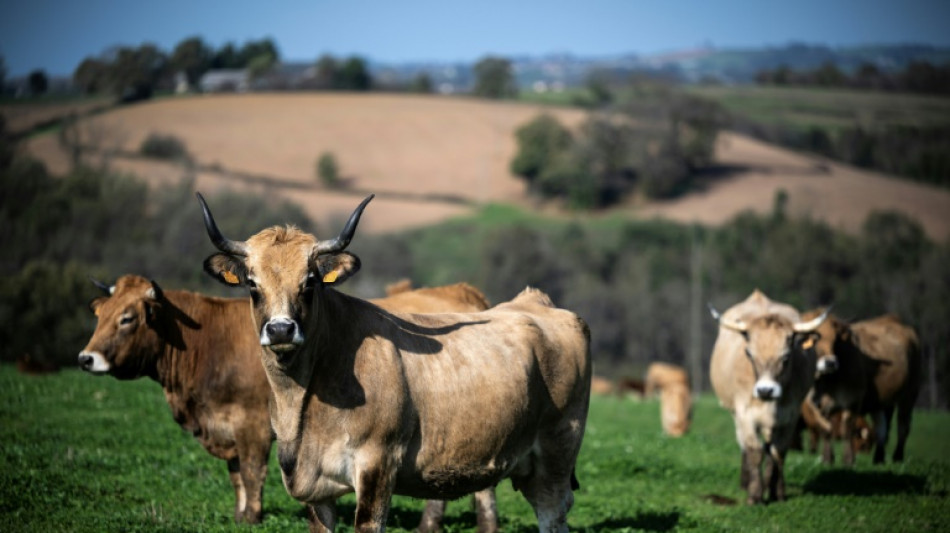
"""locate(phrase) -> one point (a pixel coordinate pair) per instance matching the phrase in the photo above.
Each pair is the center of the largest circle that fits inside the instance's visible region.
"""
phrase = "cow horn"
(811, 325)
(343, 240)
(736, 325)
(220, 242)
(102, 286)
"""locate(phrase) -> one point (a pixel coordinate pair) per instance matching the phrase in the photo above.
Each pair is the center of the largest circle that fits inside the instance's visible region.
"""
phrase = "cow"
(761, 371)
(826, 430)
(460, 297)
(206, 357)
(425, 405)
(601, 385)
(672, 382)
(868, 367)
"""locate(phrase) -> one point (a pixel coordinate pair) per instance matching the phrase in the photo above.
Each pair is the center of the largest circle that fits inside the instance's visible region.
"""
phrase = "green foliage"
(168, 147)
(85, 453)
(328, 172)
(38, 82)
(539, 141)
(494, 79)
(422, 83)
(192, 56)
(59, 231)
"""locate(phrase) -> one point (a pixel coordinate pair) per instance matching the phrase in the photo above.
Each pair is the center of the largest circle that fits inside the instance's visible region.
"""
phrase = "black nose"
(280, 331)
(85, 361)
(765, 393)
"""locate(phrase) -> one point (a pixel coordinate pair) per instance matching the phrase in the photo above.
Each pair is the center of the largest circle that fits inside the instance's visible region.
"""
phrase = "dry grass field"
(430, 158)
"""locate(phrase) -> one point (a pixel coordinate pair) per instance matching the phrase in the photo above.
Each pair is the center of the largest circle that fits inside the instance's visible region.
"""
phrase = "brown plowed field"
(417, 150)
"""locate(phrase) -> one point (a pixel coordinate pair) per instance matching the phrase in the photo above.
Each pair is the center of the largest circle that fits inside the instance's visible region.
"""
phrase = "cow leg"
(551, 500)
(775, 473)
(486, 510)
(905, 412)
(253, 474)
(744, 471)
(240, 494)
(813, 438)
(753, 466)
(431, 521)
(827, 448)
(847, 427)
(374, 489)
(882, 422)
(321, 517)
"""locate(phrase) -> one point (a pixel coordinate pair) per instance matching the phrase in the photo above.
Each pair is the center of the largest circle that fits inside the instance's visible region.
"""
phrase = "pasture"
(80, 453)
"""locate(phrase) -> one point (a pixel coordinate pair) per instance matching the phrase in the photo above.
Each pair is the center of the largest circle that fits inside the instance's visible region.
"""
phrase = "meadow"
(81, 453)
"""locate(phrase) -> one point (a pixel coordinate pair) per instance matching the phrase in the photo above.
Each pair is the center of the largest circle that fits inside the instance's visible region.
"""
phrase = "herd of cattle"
(433, 393)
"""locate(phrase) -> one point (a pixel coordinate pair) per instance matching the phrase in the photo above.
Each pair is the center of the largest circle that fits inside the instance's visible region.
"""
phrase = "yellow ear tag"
(229, 277)
(331, 276)
(808, 343)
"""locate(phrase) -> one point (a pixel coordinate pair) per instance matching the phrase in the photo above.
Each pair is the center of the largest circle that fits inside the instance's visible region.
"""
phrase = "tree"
(328, 171)
(137, 72)
(538, 142)
(3, 73)
(38, 82)
(193, 57)
(226, 57)
(493, 78)
(326, 69)
(257, 49)
(92, 75)
(354, 76)
(422, 83)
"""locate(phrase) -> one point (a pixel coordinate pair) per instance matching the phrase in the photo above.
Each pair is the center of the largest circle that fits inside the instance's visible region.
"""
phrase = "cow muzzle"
(93, 362)
(827, 365)
(281, 334)
(767, 390)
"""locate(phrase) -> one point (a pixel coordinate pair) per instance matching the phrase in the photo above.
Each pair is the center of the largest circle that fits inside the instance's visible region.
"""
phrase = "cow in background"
(822, 430)
(761, 372)
(868, 367)
(676, 404)
(205, 355)
(425, 405)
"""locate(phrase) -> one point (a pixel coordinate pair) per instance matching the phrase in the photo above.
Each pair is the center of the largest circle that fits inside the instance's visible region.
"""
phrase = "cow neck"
(177, 362)
(315, 368)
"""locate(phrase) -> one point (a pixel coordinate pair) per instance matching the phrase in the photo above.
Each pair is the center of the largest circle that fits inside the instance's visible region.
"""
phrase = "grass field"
(803, 108)
(81, 453)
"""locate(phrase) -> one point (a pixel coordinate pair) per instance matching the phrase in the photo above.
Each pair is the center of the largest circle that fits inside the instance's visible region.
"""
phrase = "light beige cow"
(431, 406)
(761, 372)
(676, 404)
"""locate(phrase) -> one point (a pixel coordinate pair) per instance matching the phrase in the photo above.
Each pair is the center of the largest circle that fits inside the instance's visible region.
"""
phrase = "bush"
(167, 147)
(328, 172)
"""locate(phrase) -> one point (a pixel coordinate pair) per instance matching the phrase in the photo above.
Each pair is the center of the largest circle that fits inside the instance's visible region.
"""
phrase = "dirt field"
(23, 116)
(414, 150)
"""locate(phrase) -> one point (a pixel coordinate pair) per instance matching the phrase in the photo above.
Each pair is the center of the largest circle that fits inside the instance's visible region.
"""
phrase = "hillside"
(431, 158)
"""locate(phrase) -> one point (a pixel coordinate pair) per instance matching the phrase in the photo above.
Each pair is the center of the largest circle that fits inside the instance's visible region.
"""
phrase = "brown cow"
(601, 385)
(428, 406)
(761, 373)
(206, 357)
(868, 367)
(672, 382)
(826, 430)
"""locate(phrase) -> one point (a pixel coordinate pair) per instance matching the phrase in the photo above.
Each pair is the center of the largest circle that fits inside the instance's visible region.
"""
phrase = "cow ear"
(226, 268)
(335, 268)
(96, 303)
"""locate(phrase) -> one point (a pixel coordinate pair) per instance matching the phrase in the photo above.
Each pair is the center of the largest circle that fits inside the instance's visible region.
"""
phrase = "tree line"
(630, 280)
(917, 77)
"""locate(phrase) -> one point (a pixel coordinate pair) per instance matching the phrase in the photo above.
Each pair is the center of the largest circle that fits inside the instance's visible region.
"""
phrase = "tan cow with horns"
(761, 371)
(428, 406)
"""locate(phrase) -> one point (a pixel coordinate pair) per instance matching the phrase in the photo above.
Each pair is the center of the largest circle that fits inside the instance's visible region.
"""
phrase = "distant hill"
(727, 65)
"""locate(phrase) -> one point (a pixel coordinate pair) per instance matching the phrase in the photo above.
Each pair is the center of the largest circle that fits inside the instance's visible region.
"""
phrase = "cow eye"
(125, 320)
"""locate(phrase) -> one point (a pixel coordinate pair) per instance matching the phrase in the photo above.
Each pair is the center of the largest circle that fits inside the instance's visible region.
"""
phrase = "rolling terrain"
(431, 158)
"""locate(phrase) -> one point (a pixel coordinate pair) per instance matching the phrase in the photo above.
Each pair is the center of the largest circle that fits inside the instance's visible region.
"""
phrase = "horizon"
(55, 36)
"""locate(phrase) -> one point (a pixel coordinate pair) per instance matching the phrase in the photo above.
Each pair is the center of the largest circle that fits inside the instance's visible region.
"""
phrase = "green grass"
(803, 108)
(79, 453)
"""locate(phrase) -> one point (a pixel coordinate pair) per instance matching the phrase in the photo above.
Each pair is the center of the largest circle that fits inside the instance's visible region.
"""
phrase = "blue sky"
(56, 35)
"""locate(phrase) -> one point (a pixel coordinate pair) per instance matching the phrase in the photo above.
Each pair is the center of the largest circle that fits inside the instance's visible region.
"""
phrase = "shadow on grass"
(646, 520)
(851, 483)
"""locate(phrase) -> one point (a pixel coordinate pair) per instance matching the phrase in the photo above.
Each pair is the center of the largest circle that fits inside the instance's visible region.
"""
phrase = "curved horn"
(735, 325)
(154, 292)
(343, 240)
(811, 325)
(220, 242)
(102, 286)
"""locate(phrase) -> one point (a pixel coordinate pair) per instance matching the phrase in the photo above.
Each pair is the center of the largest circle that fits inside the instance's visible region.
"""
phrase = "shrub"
(328, 172)
(167, 147)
